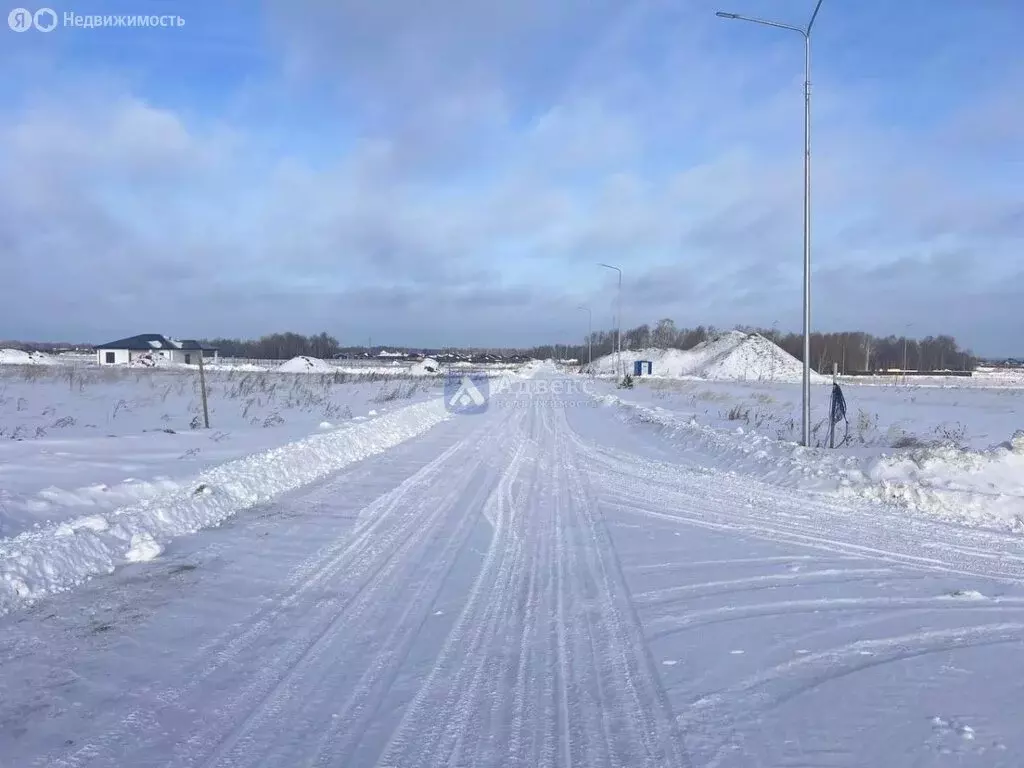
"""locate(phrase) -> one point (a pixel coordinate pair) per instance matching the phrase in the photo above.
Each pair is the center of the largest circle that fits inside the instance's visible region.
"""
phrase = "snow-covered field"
(950, 452)
(79, 439)
(581, 575)
(881, 416)
(100, 466)
(946, 446)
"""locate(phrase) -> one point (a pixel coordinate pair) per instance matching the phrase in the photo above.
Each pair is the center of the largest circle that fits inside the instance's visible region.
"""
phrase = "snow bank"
(240, 367)
(963, 486)
(153, 360)
(17, 357)
(425, 367)
(304, 364)
(970, 487)
(58, 557)
(735, 356)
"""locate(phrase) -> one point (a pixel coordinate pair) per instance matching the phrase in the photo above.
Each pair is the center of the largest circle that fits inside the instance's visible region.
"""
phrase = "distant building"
(152, 347)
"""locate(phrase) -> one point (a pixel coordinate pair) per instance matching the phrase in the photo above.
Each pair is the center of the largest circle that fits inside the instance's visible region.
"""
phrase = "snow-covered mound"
(963, 486)
(428, 366)
(153, 360)
(56, 557)
(17, 357)
(978, 488)
(733, 356)
(303, 364)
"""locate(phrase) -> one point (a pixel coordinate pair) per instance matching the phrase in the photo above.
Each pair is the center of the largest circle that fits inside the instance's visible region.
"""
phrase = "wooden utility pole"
(202, 388)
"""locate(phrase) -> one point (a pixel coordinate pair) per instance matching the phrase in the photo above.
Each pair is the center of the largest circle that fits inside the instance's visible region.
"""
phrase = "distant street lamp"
(775, 340)
(590, 335)
(618, 321)
(906, 333)
(806, 32)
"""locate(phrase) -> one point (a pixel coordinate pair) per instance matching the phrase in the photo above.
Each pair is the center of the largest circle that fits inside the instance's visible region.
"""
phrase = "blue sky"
(450, 172)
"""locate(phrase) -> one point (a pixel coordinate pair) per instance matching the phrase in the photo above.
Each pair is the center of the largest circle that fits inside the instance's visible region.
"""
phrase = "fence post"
(202, 387)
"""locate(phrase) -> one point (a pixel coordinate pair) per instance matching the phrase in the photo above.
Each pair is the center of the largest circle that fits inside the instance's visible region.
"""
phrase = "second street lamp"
(618, 321)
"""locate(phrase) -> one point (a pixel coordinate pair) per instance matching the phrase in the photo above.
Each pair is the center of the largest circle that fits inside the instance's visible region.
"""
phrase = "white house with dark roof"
(152, 347)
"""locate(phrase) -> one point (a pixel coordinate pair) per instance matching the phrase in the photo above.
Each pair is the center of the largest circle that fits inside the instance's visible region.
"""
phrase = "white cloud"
(481, 173)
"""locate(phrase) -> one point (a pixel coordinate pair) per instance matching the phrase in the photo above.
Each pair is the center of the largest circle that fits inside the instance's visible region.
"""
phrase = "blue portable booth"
(642, 366)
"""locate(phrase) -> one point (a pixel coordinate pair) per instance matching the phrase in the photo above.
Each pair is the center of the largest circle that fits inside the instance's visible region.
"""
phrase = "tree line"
(277, 346)
(850, 351)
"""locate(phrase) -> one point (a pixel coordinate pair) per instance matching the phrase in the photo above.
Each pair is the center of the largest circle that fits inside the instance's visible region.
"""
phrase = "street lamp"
(618, 321)
(590, 336)
(806, 32)
(775, 340)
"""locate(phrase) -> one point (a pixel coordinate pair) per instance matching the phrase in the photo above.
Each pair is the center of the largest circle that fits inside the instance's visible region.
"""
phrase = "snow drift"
(734, 356)
(425, 367)
(969, 487)
(58, 557)
(962, 486)
(303, 364)
(153, 360)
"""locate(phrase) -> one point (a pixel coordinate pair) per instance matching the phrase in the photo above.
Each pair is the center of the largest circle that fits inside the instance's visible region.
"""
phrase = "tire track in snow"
(657, 736)
(547, 665)
(734, 504)
(717, 722)
(691, 564)
(402, 586)
(319, 672)
(436, 721)
(684, 592)
(389, 526)
(666, 626)
(719, 715)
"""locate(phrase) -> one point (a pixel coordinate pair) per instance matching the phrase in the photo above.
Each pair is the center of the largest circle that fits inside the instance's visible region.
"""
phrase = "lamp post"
(905, 334)
(590, 336)
(775, 340)
(806, 32)
(618, 321)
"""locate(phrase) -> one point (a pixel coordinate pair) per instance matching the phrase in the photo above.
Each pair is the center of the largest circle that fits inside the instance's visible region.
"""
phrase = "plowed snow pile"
(304, 364)
(152, 360)
(54, 557)
(426, 367)
(962, 486)
(733, 356)
(978, 488)
(17, 357)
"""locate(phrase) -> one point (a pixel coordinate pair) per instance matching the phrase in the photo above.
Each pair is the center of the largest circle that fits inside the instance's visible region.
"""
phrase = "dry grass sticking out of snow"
(880, 418)
(76, 438)
(38, 402)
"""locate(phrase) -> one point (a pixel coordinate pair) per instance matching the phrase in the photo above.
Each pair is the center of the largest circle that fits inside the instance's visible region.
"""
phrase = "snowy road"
(540, 585)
